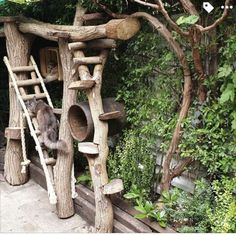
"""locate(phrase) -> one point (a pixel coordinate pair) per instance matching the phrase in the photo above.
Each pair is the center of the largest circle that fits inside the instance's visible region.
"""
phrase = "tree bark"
(62, 170)
(195, 40)
(18, 49)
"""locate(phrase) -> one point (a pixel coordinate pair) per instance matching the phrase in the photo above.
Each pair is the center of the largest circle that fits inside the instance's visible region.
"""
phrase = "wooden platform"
(85, 206)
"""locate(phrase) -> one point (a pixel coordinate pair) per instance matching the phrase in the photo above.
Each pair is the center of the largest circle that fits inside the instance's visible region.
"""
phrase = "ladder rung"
(50, 161)
(29, 82)
(23, 69)
(82, 85)
(37, 96)
(110, 115)
(57, 111)
(88, 60)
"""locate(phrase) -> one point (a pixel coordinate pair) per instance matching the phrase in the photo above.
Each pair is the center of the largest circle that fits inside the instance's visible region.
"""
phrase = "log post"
(62, 170)
(97, 162)
(18, 49)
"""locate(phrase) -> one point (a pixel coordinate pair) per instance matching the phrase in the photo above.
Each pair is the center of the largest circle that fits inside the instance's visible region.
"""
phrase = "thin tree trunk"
(167, 172)
(62, 170)
(18, 49)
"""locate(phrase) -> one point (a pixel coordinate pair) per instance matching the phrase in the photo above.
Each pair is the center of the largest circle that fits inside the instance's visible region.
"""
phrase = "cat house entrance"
(50, 63)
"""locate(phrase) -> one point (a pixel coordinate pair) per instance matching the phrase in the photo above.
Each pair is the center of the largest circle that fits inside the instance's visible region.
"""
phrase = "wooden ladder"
(40, 92)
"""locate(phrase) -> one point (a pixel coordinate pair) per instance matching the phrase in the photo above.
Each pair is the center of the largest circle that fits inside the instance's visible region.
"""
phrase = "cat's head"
(31, 105)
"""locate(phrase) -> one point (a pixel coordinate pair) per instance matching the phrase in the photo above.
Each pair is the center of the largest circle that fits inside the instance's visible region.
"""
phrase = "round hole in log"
(81, 123)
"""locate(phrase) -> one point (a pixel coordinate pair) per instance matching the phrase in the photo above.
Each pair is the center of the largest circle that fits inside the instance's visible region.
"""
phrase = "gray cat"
(47, 124)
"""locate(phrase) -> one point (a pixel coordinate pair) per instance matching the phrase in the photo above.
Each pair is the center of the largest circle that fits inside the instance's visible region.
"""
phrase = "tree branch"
(108, 11)
(161, 28)
(155, 6)
(189, 7)
(170, 21)
(181, 167)
(218, 21)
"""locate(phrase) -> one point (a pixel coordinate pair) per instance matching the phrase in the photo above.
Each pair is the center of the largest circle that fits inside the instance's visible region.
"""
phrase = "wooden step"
(110, 115)
(88, 148)
(82, 85)
(13, 133)
(37, 96)
(114, 186)
(22, 69)
(93, 44)
(57, 111)
(50, 161)
(28, 82)
(88, 60)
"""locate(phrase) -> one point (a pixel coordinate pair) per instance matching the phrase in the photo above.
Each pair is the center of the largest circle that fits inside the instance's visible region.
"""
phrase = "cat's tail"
(59, 145)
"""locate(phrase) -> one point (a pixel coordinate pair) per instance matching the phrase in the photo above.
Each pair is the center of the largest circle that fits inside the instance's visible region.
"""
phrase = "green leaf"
(140, 209)
(228, 94)
(162, 224)
(190, 20)
(234, 121)
(140, 216)
(225, 71)
(84, 178)
(131, 195)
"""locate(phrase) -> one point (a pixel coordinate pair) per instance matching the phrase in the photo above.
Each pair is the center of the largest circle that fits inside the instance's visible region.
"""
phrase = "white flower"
(140, 166)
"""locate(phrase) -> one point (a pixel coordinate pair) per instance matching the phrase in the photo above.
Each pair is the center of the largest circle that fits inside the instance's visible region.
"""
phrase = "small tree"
(191, 30)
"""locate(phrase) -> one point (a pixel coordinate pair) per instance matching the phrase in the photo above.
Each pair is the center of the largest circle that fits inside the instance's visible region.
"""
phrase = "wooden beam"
(94, 44)
(88, 60)
(92, 16)
(122, 29)
(7, 19)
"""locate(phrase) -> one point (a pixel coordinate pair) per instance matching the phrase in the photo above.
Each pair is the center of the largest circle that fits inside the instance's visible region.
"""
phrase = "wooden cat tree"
(73, 41)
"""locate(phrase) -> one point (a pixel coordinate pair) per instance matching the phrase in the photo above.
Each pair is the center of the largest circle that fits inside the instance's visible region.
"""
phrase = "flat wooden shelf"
(88, 148)
(82, 85)
(110, 115)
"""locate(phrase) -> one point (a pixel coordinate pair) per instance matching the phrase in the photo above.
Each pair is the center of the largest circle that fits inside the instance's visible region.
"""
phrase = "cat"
(47, 124)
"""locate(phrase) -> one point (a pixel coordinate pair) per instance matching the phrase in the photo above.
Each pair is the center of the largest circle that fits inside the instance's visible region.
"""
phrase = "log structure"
(18, 49)
(73, 42)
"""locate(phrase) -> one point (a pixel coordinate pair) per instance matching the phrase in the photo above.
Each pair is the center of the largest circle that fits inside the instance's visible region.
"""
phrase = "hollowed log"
(81, 123)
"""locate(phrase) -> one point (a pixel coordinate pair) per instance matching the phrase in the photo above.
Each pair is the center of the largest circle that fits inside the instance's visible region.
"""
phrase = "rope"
(26, 161)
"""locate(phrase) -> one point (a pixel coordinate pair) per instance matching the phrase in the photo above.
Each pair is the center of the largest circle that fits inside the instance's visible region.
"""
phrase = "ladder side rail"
(51, 192)
(41, 80)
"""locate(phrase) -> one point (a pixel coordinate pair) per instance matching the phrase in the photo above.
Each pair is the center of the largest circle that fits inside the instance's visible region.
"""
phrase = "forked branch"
(218, 21)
